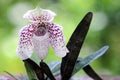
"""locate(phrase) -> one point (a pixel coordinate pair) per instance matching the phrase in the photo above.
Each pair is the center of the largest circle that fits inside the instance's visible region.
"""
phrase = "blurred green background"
(104, 30)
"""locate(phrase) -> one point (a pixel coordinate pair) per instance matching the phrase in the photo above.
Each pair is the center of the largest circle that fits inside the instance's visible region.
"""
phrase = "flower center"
(41, 30)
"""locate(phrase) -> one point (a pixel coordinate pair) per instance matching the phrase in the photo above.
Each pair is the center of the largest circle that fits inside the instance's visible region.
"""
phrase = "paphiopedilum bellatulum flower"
(41, 34)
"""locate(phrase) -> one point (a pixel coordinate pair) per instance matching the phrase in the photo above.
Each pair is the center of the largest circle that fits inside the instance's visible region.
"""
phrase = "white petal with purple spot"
(39, 14)
(57, 39)
(40, 35)
(25, 46)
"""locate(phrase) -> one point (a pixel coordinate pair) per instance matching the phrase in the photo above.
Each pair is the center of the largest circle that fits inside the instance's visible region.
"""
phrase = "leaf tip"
(88, 17)
(90, 14)
(106, 47)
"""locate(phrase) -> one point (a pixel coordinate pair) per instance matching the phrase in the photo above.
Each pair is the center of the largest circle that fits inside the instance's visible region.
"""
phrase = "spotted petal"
(57, 39)
(39, 14)
(25, 47)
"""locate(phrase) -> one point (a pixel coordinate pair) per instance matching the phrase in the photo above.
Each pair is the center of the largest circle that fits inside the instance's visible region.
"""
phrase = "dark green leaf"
(33, 68)
(47, 70)
(91, 73)
(74, 45)
(30, 72)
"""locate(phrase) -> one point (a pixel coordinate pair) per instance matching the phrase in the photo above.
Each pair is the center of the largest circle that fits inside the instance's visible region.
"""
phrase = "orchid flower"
(40, 35)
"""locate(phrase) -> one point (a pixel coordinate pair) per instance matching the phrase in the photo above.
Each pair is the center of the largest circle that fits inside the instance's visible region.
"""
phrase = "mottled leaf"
(84, 62)
(55, 67)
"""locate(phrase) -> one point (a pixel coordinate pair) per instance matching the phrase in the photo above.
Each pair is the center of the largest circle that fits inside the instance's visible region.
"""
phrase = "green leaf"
(84, 62)
(51, 64)
(30, 72)
(55, 67)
